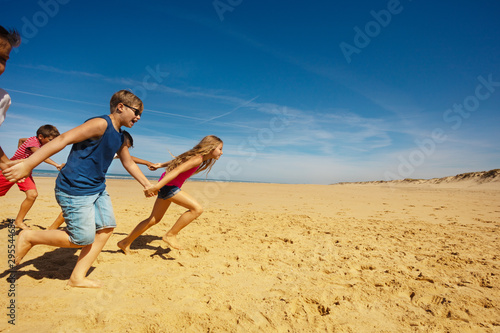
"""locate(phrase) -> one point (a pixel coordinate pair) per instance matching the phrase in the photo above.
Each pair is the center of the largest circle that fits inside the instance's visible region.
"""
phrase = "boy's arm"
(21, 141)
(132, 168)
(48, 160)
(92, 129)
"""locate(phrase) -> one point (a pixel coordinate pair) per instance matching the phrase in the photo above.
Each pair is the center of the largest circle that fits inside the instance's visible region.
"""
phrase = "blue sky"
(301, 92)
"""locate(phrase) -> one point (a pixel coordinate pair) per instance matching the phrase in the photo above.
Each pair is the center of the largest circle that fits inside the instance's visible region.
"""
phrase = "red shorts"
(5, 185)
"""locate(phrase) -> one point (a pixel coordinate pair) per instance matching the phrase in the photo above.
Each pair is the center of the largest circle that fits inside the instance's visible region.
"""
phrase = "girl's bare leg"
(194, 210)
(159, 209)
(87, 257)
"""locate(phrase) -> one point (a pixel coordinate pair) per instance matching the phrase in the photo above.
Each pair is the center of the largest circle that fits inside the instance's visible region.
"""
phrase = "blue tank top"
(88, 162)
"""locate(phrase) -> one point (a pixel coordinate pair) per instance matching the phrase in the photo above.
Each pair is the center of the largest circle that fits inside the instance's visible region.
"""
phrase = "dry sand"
(275, 258)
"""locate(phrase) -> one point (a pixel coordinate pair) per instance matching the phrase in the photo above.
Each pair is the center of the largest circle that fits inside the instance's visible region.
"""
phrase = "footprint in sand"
(367, 267)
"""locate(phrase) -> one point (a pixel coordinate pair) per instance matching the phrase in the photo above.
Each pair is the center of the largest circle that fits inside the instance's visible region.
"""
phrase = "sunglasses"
(137, 112)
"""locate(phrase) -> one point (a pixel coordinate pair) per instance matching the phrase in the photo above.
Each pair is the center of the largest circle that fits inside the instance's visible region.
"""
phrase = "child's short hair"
(125, 97)
(11, 35)
(47, 131)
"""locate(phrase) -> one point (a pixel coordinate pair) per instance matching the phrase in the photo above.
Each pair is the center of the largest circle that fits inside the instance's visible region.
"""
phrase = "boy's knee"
(105, 231)
(31, 195)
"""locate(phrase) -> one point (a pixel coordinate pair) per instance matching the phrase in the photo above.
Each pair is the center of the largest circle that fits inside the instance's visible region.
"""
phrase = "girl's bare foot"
(23, 245)
(84, 283)
(171, 240)
(124, 247)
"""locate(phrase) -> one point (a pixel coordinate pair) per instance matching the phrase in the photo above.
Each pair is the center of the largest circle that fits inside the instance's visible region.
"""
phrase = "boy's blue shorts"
(85, 215)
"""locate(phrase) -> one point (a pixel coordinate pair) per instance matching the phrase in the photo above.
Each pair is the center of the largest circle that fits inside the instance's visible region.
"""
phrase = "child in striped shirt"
(44, 134)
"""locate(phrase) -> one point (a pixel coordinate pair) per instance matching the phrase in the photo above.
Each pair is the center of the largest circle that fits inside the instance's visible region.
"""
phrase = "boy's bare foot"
(23, 245)
(22, 225)
(85, 283)
(172, 242)
(126, 249)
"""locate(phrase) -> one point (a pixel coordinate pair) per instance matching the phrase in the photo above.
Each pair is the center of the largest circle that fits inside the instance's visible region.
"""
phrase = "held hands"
(60, 166)
(150, 191)
(154, 166)
(17, 170)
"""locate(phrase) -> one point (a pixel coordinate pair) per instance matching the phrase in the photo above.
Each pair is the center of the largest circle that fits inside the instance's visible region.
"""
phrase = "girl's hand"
(150, 191)
(17, 170)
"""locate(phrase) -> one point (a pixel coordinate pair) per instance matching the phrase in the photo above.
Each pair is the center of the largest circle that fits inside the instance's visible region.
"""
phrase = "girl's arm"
(164, 164)
(132, 168)
(92, 129)
(189, 164)
(138, 160)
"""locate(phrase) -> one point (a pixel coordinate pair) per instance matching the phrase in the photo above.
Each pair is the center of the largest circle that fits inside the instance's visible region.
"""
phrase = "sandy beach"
(274, 258)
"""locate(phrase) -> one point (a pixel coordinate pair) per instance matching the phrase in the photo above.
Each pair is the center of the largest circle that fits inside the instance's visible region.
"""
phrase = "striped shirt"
(24, 150)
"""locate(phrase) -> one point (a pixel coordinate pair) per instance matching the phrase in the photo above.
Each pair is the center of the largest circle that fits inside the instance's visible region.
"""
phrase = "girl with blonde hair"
(200, 158)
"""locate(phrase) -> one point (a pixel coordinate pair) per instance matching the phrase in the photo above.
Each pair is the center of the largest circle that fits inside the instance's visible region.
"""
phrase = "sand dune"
(472, 178)
(277, 258)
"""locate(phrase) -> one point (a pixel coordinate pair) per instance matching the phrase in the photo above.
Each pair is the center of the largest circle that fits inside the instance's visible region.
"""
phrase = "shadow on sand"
(143, 242)
(56, 264)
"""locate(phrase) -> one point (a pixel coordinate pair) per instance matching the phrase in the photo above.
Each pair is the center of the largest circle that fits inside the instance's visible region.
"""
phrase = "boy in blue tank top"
(81, 188)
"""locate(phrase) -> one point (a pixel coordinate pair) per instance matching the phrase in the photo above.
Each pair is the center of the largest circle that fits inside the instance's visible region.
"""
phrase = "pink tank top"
(181, 178)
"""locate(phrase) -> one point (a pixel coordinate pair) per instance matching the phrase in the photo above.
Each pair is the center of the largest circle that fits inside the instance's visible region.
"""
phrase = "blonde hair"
(204, 147)
(125, 97)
